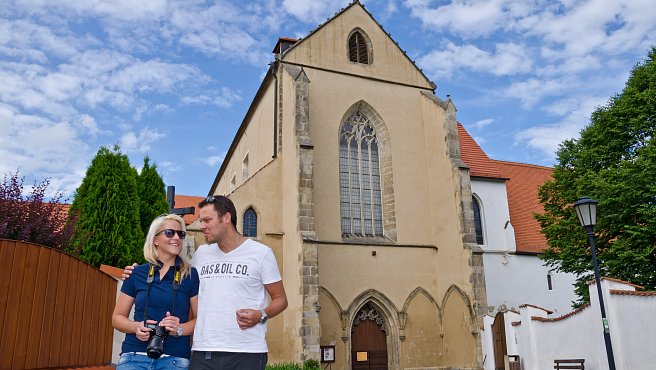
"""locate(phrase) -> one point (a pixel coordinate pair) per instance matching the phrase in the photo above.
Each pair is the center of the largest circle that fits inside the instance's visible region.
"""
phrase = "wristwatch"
(264, 317)
(179, 331)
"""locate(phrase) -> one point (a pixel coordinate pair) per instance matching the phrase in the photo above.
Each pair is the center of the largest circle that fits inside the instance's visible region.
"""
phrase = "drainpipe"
(273, 68)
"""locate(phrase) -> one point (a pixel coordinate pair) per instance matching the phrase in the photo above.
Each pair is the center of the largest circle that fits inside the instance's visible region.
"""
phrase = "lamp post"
(586, 210)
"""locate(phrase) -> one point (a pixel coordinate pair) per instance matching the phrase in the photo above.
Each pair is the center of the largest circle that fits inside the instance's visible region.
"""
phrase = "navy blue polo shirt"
(160, 301)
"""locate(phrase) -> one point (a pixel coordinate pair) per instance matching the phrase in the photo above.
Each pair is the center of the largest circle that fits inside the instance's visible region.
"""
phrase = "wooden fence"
(55, 310)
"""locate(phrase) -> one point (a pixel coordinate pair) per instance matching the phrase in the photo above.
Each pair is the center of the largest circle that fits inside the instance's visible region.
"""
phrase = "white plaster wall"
(513, 280)
(117, 341)
(633, 333)
(488, 343)
(571, 338)
(498, 234)
(634, 336)
(511, 337)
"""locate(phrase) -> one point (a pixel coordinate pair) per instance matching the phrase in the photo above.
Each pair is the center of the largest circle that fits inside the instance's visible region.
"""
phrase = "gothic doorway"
(369, 340)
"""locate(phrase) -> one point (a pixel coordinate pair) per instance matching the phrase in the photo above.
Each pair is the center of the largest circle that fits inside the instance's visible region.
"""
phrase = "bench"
(570, 364)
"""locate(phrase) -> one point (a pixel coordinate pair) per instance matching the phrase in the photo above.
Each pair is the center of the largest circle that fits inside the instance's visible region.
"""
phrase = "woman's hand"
(142, 332)
(171, 323)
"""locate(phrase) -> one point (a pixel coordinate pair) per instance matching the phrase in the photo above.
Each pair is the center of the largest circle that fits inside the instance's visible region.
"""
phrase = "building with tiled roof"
(522, 184)
(505, 199)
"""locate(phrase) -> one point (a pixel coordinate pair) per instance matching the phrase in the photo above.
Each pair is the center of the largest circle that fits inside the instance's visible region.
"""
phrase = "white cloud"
(141, 142)
(389, 10)
(547, 137)
(473, 18)
(214, 160)
(24, 39)
(311, 11)
(43, 148)
(480, 140)
(483, 123)
(507, 59)
(223, 98)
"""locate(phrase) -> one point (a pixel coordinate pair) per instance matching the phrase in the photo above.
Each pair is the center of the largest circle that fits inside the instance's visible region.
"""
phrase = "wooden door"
(499, 341)
(368, 340)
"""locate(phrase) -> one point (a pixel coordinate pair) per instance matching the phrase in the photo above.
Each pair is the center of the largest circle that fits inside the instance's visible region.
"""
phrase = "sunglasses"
(212, 199)
(170, 232)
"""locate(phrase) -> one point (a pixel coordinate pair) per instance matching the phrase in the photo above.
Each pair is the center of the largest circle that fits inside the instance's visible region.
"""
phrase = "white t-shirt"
(228, 282)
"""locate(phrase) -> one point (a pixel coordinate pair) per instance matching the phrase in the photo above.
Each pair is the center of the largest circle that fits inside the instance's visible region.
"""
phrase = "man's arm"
(247, 317)
(127, 271)
(278, 299)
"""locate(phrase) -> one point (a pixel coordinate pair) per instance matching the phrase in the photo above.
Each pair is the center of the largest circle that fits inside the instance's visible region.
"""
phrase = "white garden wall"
(539, 338)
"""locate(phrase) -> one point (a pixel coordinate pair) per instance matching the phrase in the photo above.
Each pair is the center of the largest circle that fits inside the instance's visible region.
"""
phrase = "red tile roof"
(182, 201)
(480, 165)
(549, 312)
(522, 181)
(632, 292)
(635, 286)
(522, 190)
(276, 49)
(545, 319)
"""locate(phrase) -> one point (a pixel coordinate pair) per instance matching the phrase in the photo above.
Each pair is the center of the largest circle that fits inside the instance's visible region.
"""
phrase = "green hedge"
(307, 365)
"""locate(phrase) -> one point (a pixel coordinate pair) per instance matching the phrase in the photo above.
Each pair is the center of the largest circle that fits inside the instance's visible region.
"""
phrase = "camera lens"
(156, 343)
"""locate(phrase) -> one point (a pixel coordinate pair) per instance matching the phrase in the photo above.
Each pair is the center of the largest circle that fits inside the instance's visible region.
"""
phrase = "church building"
(349, 167)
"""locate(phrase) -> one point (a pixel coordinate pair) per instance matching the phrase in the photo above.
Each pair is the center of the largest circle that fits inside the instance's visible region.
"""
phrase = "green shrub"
(307, 365)
(283, 366)
(311, 365)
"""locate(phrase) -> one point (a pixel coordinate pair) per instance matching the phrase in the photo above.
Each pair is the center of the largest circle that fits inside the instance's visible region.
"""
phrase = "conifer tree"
(152, 195)
(107, 204)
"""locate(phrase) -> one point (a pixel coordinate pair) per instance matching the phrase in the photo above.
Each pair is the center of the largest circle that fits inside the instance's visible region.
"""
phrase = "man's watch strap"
(264, 317)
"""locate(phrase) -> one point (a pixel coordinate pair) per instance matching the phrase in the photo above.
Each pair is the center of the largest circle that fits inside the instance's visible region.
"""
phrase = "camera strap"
(151, 278)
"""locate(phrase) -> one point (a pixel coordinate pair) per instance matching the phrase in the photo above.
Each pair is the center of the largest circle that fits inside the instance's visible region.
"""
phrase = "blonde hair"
(150, 250)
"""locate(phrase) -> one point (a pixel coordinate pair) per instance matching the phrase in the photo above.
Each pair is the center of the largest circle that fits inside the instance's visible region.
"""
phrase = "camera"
(158, 335)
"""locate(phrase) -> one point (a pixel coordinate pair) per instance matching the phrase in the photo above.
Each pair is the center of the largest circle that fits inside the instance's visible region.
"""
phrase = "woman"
(164, 291)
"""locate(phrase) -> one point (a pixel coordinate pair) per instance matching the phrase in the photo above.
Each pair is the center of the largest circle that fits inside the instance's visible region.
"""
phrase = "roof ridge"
(522, 164)
(343, 10)
(567, 315)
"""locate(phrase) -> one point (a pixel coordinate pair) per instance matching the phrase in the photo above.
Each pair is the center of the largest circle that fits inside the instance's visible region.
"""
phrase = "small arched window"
(478, 223)
(358, 48)
(250, 223)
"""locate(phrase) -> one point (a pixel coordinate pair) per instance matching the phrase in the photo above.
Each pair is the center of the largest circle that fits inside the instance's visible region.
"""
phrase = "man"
(236, 273)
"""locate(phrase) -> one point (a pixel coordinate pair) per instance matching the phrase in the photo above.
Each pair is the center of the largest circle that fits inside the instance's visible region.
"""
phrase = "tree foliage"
(32, 218)
(614, 162)
(152, 195)
(109, 225)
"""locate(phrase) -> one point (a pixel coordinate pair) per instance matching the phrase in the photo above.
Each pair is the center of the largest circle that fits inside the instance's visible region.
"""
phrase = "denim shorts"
(134, 361)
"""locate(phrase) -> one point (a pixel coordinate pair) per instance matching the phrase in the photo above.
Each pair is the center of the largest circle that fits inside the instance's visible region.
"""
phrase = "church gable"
(353, 42)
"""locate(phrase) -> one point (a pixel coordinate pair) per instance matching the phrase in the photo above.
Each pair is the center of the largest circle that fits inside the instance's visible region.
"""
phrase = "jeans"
(133, 361)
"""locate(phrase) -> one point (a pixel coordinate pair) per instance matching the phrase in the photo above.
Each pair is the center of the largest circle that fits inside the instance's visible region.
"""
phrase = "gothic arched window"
(250, 223)
(359, 171)
(478, 223)
(358, 48)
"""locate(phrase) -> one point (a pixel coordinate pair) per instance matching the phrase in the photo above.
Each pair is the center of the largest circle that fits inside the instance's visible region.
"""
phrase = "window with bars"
(250, 223)
(359, 170)
(358, 49)
(478, 223)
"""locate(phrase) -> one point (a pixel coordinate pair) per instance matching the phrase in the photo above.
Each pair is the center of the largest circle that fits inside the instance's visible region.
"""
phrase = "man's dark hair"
(222, 205)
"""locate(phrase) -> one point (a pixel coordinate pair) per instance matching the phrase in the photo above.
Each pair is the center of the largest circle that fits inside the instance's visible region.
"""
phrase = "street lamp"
(586, 210)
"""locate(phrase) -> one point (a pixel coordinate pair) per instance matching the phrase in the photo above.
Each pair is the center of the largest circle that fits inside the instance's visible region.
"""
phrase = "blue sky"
(173, 79)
